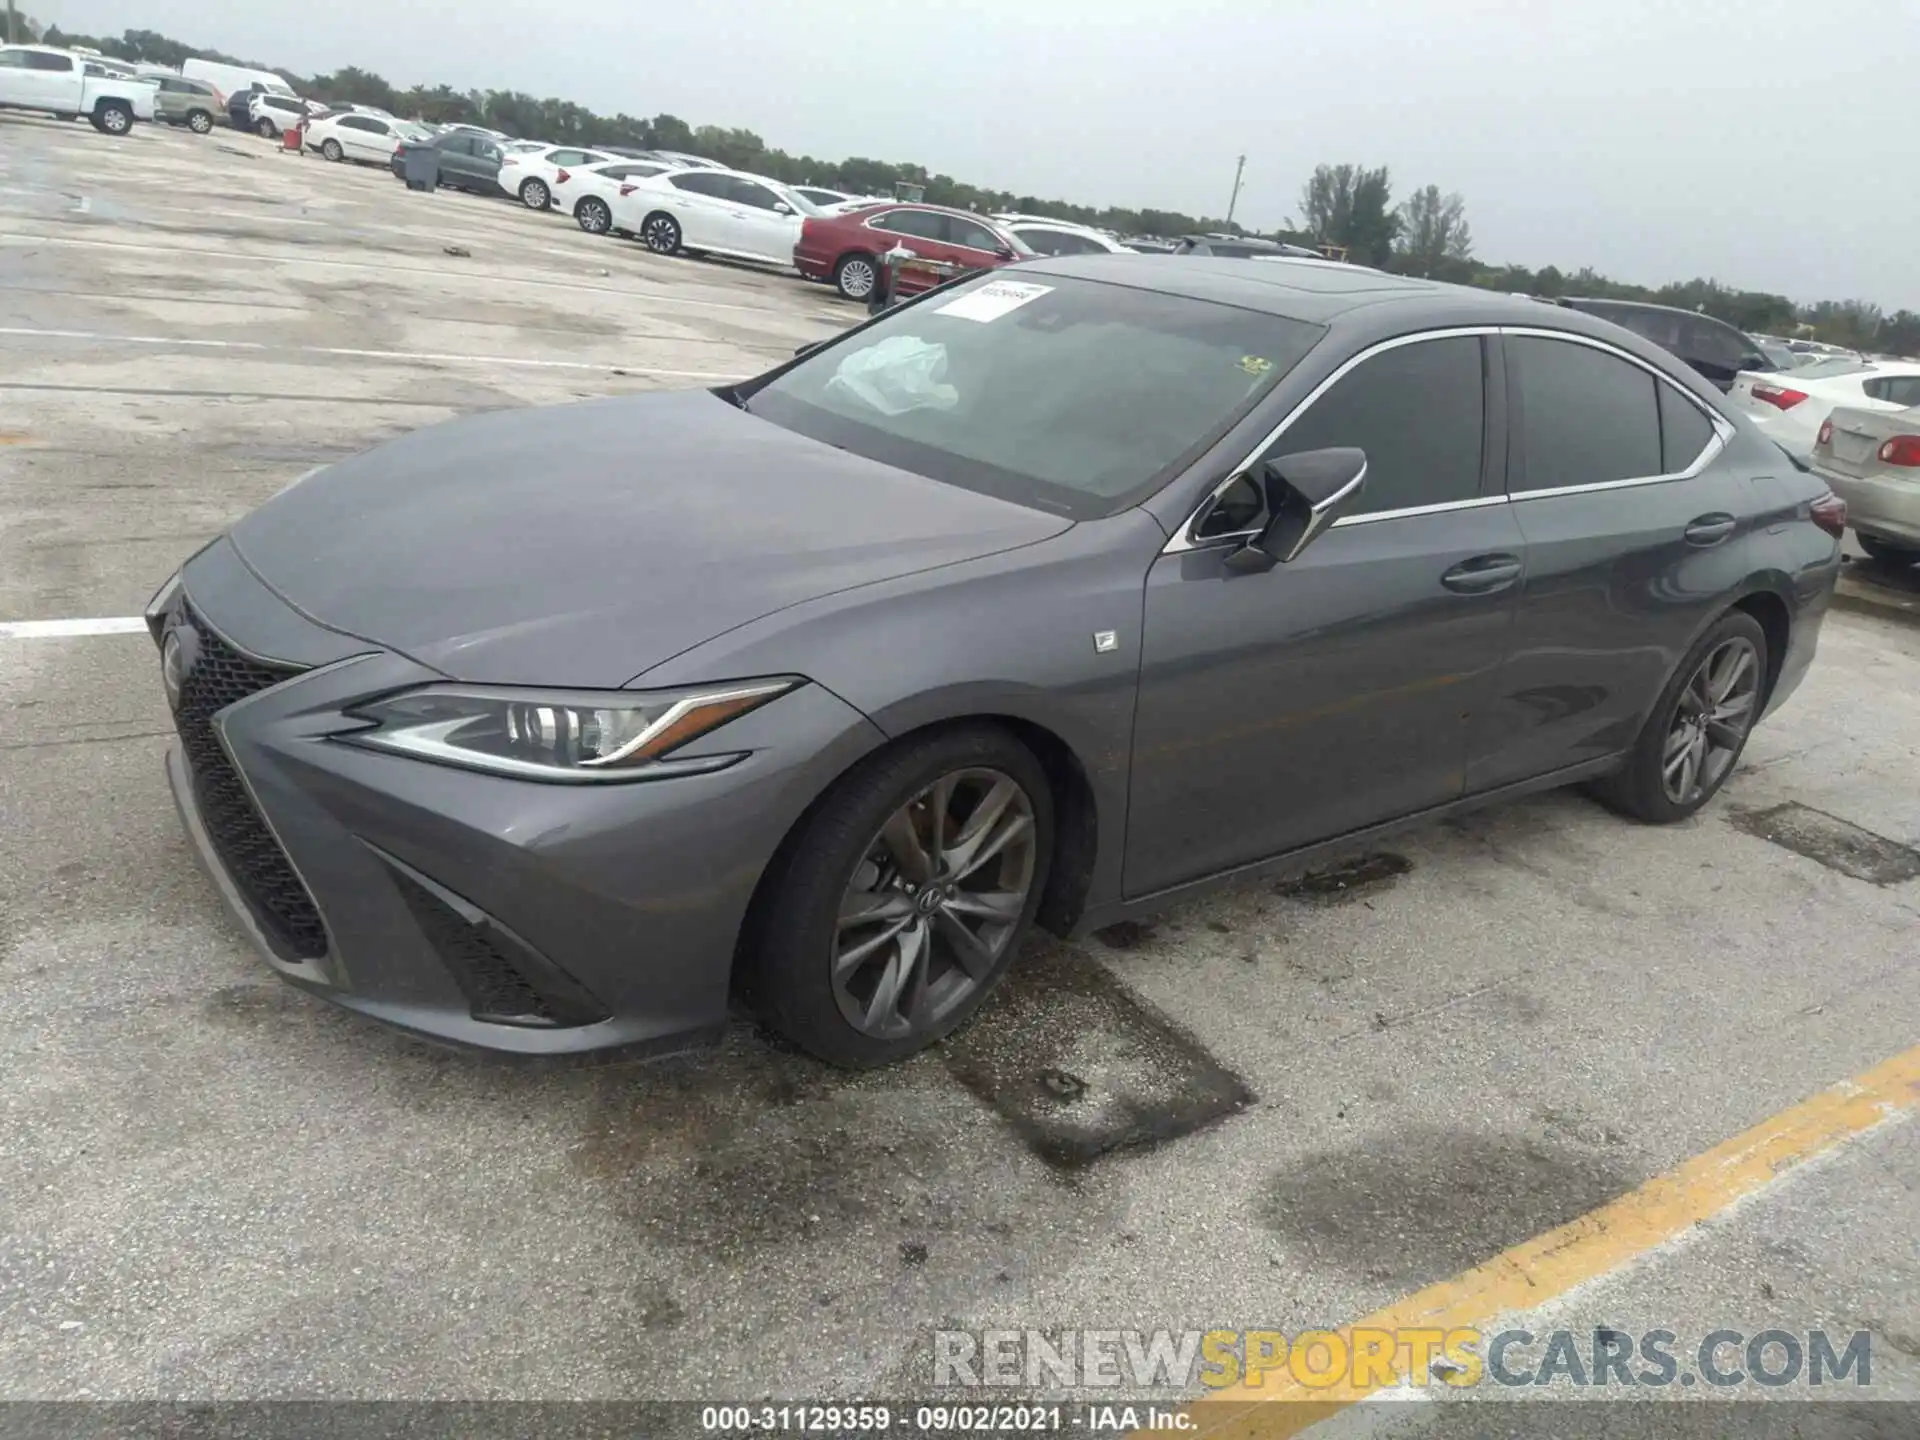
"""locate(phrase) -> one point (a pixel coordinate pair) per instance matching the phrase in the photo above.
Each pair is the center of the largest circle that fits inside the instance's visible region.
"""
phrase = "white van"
(226, 79)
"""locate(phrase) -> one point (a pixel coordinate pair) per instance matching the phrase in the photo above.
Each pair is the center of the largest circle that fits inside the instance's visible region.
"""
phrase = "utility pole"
(13, 25)
(1239, 169)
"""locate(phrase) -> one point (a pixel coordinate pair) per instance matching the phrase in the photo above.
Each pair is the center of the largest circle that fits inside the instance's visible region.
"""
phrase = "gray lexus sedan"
(1040, 599)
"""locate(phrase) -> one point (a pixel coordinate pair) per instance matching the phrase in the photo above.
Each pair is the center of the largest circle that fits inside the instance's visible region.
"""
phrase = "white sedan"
(363, 136)
(719, 212)
(588, 193)
(1045, 236)
(1791, 406)
(529, 176)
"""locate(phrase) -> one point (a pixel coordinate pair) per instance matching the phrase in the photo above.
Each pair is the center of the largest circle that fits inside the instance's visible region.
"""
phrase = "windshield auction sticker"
(992, 300)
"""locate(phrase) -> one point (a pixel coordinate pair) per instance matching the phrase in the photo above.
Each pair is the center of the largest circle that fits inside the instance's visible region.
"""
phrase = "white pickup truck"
(39, 77)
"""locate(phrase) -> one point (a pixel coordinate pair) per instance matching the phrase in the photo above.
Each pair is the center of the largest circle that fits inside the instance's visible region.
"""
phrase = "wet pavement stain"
(1347, 880)
(1419, 1204)
(1080, 1068)
(1835, 843)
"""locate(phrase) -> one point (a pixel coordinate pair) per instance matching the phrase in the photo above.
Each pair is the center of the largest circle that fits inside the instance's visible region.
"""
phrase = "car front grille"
(218, 677)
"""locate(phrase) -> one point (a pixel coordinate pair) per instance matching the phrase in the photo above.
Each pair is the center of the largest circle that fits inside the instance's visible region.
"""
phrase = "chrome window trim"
(1184, 539)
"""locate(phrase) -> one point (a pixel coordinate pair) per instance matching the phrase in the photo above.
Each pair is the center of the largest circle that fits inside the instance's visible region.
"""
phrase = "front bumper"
(1879, 505)
(488, 912)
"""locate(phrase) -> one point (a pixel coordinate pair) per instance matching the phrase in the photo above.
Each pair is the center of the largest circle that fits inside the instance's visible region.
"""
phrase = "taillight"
(1826, 433)
(628, 189)
(1829, 512)
(1778, 395)
(561, 178)
(1903, 450)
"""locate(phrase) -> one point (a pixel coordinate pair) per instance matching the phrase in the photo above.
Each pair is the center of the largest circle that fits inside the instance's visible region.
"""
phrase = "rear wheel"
(1886, 551)
(855, 276)
(535, 195)
(593, 215)
(268, 130)
(1694, 737)
(113, 117)
(899, 903)
(331, 149)
(200, 122)
(660, 233)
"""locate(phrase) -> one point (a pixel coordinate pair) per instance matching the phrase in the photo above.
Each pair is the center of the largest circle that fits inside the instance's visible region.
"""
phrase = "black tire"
(855, 275)
(332, 151)
(593, 215)
(1885, 551)
(1638, 789)
(660, 233)
(789, 946)
(535, 195)
(267, 130)
(200, 122)
(113, 117)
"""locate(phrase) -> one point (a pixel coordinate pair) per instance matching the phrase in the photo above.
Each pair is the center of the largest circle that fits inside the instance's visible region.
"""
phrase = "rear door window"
(702, 182)
(41, 60)
(1902, 390)
(1586, 417)
(1419, 411)
(922, 223)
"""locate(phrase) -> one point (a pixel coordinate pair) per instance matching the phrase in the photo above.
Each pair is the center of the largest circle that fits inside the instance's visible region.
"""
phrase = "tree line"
(1347, 208)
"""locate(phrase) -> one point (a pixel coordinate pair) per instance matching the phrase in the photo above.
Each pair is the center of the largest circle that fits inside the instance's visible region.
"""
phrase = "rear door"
(456, 155)
(1339, 690)
(702, 203)
(1634, 534)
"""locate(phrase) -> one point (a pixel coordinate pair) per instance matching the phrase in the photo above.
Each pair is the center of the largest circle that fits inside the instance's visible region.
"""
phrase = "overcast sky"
(1768, 143)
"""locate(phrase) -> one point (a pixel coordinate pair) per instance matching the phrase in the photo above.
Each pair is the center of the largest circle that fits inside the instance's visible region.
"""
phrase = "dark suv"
(1713, 347)
(467, 161)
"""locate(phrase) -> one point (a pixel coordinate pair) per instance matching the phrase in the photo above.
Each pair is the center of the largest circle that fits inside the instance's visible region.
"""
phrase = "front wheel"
(113, 117)
(593, 216)
(200, 122)
(1694, 737)
(896, 907)
(535, 195)
(660, 233)
(855, 276)
(1885, 551)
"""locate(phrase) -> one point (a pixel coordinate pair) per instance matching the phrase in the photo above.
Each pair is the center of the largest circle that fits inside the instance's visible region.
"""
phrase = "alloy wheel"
(594, 217)
(116, 121)
(333, 151)
(534, 195)
(199, 122)
(857, 278)
(1710, 722)
(662, 234)
(933, 903)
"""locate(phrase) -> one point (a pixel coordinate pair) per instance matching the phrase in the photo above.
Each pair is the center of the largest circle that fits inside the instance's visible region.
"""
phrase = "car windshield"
(1064, 394)
(1829, 369)
(1778, 356)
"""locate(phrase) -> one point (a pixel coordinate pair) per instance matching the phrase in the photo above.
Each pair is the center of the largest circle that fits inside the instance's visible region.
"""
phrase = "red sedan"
(846, 249)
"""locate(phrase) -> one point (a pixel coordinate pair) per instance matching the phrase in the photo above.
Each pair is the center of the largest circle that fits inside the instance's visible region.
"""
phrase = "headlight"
(571, 735)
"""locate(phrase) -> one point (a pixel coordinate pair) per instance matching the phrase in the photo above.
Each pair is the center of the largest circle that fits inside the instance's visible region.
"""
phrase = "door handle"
(1710, 529)
(1483, 575)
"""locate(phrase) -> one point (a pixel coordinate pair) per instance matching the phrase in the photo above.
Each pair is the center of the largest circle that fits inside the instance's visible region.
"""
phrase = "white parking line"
(58, 629)
(344, 352)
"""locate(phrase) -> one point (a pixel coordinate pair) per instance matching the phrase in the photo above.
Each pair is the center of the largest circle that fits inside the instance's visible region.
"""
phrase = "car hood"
(584, 544)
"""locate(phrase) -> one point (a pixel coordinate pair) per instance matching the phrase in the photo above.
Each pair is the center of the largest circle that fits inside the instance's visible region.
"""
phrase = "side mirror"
(808, 348)
(1006, 252)
(780, 207)
(1305, 493)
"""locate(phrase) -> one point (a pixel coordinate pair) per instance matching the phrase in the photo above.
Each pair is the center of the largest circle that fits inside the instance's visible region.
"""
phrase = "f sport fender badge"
(1105, 641)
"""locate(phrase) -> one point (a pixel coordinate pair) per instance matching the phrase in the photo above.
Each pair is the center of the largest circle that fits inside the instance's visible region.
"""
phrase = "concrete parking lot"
(1282, 1107)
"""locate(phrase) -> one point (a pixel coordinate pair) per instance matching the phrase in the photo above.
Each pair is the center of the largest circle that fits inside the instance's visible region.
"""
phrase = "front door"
(1632, 541)
(1336, 691)
(762, 230)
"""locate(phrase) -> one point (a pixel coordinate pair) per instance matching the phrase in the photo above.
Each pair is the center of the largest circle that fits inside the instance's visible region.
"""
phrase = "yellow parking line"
(1538, 1270)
